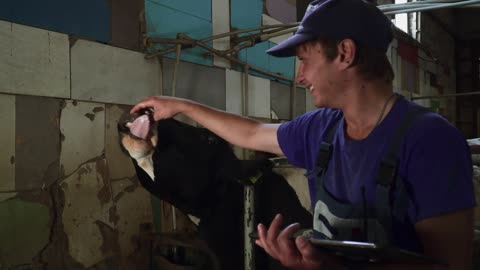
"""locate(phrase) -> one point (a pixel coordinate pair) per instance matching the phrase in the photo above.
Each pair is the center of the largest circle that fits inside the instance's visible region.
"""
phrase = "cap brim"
(288, 47)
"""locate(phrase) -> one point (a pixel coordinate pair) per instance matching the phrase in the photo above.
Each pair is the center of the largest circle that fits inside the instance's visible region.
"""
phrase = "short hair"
(372, 64)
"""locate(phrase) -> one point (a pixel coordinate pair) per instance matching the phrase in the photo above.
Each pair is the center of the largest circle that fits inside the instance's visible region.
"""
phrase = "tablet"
(365, 252)
(372, 253)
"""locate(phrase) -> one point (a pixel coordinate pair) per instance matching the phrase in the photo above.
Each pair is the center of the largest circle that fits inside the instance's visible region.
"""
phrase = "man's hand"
(296, 254)
(163, 107)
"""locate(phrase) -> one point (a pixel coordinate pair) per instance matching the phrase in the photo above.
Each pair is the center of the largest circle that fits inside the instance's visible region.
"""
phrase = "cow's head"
(192, 167)
(138, 136)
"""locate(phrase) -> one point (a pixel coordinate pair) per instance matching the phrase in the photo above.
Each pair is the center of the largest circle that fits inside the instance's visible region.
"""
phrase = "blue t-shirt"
(435, 163)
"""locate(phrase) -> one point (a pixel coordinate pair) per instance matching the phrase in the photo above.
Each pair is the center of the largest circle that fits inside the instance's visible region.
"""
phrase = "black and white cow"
(198, 173)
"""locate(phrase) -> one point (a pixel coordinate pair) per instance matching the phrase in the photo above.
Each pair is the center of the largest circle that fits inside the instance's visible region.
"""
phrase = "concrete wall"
(69, 198)
(436, 35)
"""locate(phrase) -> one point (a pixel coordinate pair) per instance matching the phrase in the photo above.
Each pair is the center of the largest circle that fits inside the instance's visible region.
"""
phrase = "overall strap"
(387, 181)
(325, 151)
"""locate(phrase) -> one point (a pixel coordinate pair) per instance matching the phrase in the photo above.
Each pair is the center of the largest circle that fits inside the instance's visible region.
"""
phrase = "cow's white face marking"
(142, 150)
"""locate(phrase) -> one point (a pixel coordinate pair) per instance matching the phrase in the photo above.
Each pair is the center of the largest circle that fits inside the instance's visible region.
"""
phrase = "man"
(380, 168)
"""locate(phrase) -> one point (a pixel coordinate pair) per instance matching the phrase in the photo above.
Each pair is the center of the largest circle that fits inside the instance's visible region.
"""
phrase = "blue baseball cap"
(358, 20)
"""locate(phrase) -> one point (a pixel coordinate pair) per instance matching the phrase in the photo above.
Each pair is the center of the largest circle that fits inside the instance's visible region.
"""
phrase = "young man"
(380, 168)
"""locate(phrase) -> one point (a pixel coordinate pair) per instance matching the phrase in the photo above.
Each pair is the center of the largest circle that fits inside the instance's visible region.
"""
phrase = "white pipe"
(440, 6)
(447, 95)
(405, 7)
(424, 2)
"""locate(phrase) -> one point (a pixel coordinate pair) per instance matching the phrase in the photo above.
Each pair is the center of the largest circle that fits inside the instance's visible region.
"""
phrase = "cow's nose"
(122, 127)
(123, 122)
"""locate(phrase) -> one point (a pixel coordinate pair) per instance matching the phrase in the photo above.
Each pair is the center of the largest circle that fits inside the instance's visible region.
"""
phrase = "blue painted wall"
(248, 14)
(167, 18)
(89, 19)
(201, 9)
(284, 66)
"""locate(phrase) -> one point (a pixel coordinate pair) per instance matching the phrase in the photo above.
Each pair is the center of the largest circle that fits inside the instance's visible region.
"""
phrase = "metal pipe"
(175, 68)
(248, 191)
(192, 43)
(249, 226)
(263, 27)
(295, 25)
(424, 3)
(448, 95)
(239, 47)
(160, 53)
(219, 53)
(268, 36)
(439, 6)
(178, 48)
(257, 35)
(251, 40)
(245, 90)
(171, 41)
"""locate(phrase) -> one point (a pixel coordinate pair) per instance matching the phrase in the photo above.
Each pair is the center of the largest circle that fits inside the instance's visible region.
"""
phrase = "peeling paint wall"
(69, 198)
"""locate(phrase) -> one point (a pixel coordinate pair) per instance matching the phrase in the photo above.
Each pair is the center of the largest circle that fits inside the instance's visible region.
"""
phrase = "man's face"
(318, 74)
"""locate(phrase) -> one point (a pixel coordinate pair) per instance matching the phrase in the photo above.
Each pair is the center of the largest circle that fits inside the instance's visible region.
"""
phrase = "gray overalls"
(367, 223)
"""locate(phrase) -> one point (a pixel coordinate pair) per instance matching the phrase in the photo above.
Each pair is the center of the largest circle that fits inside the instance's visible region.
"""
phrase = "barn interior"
(70, 198)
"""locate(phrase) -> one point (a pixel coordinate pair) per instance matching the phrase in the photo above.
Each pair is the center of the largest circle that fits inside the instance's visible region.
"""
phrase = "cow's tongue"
(140, 127)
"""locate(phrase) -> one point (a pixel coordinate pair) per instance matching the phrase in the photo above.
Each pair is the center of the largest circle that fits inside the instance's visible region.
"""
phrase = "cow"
(198, 172)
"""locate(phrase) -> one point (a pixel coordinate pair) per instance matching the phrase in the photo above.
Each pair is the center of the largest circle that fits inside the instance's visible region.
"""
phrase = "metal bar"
(160, 53)
(219, 53)
(175, 68)
(239, 47)
(245, 90)
(249, 226)
(192, 43)
(172, 41)
(448, 95)
(268, 36)
(390, 7)
(439, 6)
(250, 30)
(248, 192)
(257, 35)
(425, 7)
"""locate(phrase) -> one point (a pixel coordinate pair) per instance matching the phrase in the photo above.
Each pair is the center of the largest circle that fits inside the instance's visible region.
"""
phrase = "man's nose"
(300, 77)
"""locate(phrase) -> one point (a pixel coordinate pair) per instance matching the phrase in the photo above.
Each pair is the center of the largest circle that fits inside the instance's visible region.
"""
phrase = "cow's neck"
(146, 164)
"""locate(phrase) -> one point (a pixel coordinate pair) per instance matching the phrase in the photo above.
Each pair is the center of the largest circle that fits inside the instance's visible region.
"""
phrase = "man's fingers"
(259, 243)
(263, 241)
(137, 107)
(274, 229)
(308, 251)
(288, 231)
(142, 105)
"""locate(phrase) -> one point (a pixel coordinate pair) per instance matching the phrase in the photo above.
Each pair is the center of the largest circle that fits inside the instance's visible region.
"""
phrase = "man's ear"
(347, 51)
